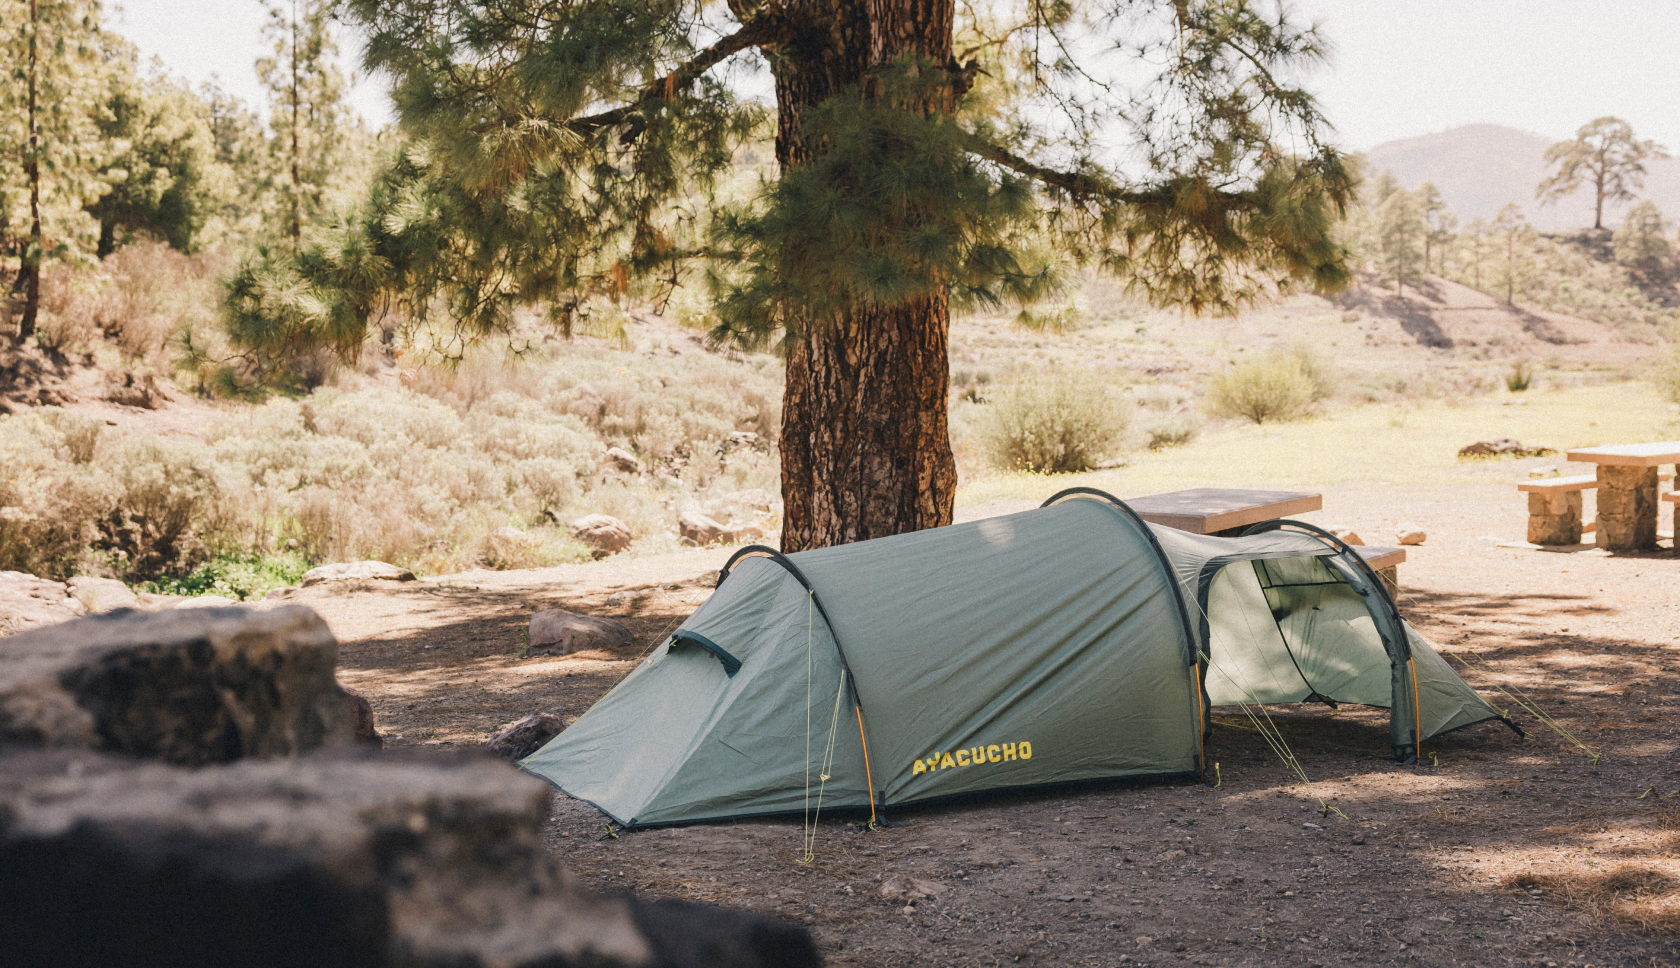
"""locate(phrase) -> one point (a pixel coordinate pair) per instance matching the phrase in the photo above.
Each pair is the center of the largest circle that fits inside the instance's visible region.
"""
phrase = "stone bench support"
(1554, 509)
(1627, 507)
(1554, 518)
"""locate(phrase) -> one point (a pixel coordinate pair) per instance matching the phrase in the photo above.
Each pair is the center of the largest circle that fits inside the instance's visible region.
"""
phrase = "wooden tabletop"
(1204, 510)
(1380, 558)
(1630, 455)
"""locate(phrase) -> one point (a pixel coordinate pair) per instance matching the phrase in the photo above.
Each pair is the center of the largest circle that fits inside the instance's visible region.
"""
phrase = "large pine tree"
(927, 152)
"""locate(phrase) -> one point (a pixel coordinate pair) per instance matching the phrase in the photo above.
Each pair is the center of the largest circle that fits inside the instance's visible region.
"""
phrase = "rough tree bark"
(866, 450)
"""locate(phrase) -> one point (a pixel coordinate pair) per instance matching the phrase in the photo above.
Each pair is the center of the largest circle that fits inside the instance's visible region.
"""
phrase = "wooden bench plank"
(1577, 482)
(1555, 485)
(1380, 558)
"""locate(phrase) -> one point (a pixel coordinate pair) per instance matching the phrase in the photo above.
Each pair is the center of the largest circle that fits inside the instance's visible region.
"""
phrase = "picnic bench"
(1628, 490)
(1225, 512)
(1555, 508)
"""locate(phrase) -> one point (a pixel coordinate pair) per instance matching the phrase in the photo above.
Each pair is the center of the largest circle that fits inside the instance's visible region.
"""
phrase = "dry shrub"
(1665, 373)
(1275, 387)
(1644, 898)
(1172, 430)
(1054, 425)
(140, 300)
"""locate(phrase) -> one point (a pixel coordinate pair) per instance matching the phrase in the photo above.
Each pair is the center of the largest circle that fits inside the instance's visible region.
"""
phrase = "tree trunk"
(30, 267)
(297, 188)
(866, 449)
(1598, 200)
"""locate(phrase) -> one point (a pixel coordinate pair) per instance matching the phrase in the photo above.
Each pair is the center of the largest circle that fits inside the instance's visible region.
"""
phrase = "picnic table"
(1219, 510)
(1227, 511)
(1627, 491)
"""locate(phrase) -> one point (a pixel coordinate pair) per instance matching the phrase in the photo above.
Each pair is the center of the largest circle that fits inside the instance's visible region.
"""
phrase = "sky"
(1402, 68)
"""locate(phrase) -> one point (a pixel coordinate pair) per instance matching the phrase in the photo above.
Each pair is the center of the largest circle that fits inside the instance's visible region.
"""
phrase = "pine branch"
(1086, 187)
(765, 29)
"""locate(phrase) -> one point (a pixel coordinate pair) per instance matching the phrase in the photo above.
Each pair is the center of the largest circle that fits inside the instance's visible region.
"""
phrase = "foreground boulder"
(525, 736)
(355, 571)
(559, 632)
(187, 686)
(27, 602)
(332, 860)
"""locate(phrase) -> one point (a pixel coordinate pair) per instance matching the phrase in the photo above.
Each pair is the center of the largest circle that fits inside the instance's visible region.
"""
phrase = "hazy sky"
(1402, 67)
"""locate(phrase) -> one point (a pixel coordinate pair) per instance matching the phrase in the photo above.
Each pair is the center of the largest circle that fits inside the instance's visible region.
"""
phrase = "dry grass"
(1643, 897)
(1367, 444)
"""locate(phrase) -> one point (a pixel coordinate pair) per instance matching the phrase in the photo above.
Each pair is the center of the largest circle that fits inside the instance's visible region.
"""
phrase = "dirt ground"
(1495, 851)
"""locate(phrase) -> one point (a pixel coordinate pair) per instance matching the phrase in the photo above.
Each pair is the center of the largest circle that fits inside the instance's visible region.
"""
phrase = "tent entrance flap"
(1287, 630)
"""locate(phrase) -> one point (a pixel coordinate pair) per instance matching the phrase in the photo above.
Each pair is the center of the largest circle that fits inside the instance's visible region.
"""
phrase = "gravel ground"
(1495, 851)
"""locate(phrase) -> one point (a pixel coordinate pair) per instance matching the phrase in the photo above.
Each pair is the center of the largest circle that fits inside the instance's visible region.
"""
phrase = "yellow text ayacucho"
(975, 756)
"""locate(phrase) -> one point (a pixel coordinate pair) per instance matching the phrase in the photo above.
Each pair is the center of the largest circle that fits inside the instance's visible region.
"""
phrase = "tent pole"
(869, 775)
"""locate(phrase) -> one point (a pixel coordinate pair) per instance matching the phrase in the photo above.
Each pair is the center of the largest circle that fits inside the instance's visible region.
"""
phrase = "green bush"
(1519, 376)
(1274, 387)
(1054, 425)
(239, 577)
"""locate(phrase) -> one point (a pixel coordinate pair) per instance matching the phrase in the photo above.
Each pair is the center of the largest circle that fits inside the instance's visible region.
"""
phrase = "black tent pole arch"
(765, 551)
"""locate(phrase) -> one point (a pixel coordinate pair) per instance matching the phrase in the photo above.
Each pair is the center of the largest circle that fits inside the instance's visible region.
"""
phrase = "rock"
(1410, 534)
(188, 686)
(742, 534)
(1316, 828)
(331, 861)
(560, 632)
(698, 528)
(602, 532)
(158, 602)
(207, 601)
(103, 594)
(756, 498)
(1359, 836)
(355, 571)
(910, 888)
(280, 594)
(362, 727)
(522, 737)
(620, 459)
(1348, 535)
(1503, 447)
(27, 602)
(142, 393)
(718, 511)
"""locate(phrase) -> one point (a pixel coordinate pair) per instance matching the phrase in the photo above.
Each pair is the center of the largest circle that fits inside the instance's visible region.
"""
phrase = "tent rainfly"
(1072, 642)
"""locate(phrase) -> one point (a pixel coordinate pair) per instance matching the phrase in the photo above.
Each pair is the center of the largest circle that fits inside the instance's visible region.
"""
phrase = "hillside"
(1480, 167)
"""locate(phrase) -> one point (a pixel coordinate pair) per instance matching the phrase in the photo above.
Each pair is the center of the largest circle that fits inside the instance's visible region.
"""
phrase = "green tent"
(1072, 642)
